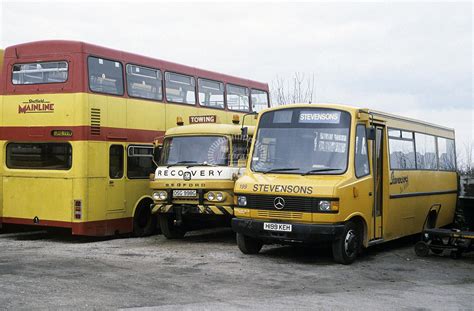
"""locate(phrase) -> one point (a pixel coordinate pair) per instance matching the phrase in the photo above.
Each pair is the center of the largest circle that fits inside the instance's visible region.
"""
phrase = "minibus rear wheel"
(169, 230)
(346, 248)
(248, 245)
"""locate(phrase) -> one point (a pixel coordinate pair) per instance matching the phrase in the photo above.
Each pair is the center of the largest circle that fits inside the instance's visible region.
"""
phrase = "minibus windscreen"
(195, 150)
(302, 141)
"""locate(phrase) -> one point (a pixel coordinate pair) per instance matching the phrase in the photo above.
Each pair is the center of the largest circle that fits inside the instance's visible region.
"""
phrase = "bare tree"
(300, 88)
(466, 159)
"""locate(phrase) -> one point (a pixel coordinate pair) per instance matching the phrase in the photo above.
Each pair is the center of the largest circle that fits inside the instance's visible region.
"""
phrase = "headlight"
(160, 195)
(324, 206)
(242, 200)
(219, 196)
(211, 196)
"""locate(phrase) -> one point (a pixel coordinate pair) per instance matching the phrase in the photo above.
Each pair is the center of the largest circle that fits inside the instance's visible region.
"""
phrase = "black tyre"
(422, 249)
(455, 254)
(144, 222)
(347, 247)
(248, 245)
(169, 230)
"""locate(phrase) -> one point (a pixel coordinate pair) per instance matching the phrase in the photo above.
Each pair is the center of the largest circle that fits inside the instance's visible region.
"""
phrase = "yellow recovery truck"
(194, 180)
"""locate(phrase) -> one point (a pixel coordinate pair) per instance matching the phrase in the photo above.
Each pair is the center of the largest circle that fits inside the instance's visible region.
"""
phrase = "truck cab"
(193, 184)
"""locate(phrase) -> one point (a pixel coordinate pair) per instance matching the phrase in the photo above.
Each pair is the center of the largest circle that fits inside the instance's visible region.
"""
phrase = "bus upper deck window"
(238, 98)
(180, 88)
(144, 82)
(40, 73)
(259, 100)
(211, 93)
(105, 76)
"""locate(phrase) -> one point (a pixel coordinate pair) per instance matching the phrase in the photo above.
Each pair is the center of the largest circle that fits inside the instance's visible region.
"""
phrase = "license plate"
(269, 226)
(184, 193)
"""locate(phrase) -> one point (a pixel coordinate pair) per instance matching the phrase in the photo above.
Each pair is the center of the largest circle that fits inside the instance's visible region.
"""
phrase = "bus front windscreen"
(195, 150)
(302, 141)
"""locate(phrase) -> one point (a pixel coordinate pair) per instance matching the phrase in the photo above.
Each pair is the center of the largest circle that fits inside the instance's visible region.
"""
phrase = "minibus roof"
(353, 109)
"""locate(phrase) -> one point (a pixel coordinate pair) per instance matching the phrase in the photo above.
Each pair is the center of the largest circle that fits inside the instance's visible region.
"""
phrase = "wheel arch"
(361, 221)
(141, 201)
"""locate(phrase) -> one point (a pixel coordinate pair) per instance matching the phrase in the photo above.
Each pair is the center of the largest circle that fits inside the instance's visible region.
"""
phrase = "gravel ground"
(207, 271)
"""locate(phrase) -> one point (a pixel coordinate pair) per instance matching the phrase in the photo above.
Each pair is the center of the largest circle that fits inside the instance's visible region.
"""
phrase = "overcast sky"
(410, 58)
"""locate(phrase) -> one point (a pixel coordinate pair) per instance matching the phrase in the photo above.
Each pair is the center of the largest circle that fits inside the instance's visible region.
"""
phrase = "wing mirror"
(370, 133)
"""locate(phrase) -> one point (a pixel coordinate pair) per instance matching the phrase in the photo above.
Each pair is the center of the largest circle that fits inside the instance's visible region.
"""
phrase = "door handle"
(370, 194)
(111, 182)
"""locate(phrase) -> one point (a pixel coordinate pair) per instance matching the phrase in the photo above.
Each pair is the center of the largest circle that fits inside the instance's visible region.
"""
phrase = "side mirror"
(370, 133)
(245, 133)
(157, 154)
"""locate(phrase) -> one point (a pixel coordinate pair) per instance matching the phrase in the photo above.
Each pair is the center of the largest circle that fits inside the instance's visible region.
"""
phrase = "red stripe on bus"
(89, 228)
(45, 133)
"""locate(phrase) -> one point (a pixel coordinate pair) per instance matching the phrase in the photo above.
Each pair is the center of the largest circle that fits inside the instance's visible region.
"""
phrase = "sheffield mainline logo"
(36, 106)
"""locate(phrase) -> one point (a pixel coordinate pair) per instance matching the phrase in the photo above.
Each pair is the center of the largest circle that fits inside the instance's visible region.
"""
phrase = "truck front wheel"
(169, 230)
(248, 245)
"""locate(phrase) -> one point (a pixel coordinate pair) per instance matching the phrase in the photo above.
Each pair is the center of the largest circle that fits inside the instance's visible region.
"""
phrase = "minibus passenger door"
(377, 156)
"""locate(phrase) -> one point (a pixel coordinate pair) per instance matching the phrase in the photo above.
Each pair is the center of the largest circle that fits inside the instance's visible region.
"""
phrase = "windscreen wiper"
(317, 170)
(180, 163)
(282, 169)
(201, 164)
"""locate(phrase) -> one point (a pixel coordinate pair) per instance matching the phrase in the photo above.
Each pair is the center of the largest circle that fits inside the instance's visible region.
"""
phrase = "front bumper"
(303, 233)
(194, 209)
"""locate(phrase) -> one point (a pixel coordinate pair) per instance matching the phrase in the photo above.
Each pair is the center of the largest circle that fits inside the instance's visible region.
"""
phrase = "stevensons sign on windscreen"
(319, 116)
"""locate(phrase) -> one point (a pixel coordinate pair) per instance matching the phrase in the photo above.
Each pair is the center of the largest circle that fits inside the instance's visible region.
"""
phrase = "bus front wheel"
(248, 245)
(346, 248)
(169, 230)
(144, 222)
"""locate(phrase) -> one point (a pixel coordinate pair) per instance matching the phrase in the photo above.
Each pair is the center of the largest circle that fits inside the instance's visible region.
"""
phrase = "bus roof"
(352, 109)
(61, 47)
(219, 129)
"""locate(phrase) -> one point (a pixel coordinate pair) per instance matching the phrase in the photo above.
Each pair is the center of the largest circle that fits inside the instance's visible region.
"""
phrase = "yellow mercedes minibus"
(194, 181)
(353, 177)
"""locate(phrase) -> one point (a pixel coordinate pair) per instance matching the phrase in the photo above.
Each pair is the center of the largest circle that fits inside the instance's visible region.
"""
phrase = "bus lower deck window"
(47, 156)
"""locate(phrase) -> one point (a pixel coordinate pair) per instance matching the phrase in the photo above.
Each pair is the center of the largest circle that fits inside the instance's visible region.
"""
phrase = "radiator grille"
(299, 204)
(279, 214)
(95, 121)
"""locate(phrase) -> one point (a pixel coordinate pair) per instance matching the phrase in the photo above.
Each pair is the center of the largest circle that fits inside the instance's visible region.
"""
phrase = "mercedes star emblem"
(279, 203)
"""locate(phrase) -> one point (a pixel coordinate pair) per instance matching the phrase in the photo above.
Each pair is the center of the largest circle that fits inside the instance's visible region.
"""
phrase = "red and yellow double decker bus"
(77, 126)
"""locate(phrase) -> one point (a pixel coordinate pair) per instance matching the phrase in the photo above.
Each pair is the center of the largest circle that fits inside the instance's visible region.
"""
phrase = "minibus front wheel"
(346, 247)
(248, 245)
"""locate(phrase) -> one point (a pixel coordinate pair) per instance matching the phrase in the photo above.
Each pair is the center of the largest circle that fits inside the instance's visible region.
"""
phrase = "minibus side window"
(402, 150)
(361, 153)
(425, 146)
(116, 162)
(446, 154)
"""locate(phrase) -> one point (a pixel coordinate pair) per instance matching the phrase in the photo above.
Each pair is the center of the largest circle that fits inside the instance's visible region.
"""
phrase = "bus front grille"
(279, 214)
(292, 204)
